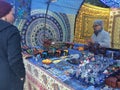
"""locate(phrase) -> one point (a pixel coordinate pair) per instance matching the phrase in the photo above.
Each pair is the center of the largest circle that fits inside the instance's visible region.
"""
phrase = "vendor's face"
(10, 16)
(97, 27)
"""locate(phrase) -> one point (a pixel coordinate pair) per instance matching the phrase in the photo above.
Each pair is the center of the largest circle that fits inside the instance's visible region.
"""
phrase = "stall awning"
(63, 6)
(24, 7)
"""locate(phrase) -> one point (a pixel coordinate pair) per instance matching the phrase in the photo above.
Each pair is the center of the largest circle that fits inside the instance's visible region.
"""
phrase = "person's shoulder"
(105, 32)
(13, 29)
(5, 26)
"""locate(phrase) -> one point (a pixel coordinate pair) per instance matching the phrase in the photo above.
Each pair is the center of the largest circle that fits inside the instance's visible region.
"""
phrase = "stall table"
(38, 79)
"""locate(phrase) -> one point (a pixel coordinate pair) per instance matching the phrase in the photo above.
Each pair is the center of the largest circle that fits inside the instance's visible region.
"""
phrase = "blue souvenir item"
(92, 69)
(44, 54)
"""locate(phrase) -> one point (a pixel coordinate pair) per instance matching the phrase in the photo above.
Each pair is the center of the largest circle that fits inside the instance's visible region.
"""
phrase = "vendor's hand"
(89, 41)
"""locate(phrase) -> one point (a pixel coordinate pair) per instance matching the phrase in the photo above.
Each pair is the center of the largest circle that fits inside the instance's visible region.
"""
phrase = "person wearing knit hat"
(98, 26)
(6, 11)
(100, 36)
(12, 71)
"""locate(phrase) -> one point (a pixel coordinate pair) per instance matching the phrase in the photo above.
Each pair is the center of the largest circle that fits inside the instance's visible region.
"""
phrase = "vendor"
(100, 36)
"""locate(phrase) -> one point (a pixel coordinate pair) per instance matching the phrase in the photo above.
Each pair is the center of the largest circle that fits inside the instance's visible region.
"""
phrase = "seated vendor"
(100, 36)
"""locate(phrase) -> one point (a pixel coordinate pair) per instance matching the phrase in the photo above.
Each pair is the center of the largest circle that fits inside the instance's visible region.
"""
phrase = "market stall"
(78, 69)
(67, 66)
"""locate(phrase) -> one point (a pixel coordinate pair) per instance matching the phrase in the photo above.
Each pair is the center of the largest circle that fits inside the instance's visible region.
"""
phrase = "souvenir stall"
(55, 53)
(75, 67)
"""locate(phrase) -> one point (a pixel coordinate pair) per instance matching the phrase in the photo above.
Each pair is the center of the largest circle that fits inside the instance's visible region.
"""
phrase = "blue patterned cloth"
(112, 3)
(22, 8)
(63, 6)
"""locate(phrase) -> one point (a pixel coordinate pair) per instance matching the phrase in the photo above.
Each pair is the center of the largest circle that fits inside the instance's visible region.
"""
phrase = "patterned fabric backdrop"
(114, 27)
(59, 27)
(63, 6)
(84, 21)
(112, 3)
(22, 8)
(59, 23)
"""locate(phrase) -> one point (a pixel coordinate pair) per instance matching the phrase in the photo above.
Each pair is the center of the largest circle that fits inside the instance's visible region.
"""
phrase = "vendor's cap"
(5, 8)
(98, 22)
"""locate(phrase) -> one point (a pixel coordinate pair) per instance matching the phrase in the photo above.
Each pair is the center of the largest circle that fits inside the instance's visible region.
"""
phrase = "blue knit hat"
(98, 22)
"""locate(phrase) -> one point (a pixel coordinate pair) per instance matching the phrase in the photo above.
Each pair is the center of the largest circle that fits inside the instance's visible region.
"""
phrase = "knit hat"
(98, 22)
(5, 8)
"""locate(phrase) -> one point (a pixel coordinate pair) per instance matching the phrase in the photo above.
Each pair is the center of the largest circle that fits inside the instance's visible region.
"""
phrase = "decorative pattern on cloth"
(112, 3)
(44, 80)
(114, 27)
(84, 21)
(33, 84)
(63, 6)
(59, 27)
(22, 8)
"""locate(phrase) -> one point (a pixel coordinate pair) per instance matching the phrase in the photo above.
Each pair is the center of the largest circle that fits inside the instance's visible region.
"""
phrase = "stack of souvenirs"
(108, 52)
(114, 79)
(92, 69)
(50, 53)
(96, 68)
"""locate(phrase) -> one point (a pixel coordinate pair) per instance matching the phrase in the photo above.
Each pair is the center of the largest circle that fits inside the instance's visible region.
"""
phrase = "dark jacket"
(11, 62)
